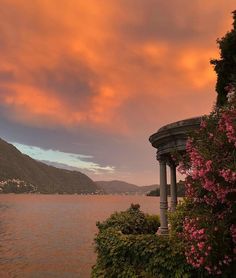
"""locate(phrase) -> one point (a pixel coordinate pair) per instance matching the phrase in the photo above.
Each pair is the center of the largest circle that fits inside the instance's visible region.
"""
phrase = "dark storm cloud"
(70, 79)
(175, 21)
(6, 76)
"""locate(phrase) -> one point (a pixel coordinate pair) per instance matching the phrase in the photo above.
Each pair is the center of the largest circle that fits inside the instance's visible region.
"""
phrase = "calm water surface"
(51, 236)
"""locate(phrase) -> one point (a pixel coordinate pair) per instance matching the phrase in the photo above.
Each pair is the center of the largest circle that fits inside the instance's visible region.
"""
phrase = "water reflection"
(52, 235)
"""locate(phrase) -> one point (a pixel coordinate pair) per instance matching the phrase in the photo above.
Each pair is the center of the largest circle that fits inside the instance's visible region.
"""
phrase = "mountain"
(121, 187)
(20, 173)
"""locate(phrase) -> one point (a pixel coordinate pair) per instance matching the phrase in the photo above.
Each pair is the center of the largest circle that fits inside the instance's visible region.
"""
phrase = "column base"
(163, 231)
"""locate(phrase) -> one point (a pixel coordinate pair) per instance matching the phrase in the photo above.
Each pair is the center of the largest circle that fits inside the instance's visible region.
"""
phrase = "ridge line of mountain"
(19, 173)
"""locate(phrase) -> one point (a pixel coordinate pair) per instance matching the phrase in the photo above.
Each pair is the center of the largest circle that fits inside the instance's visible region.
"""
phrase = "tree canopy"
(225, 66)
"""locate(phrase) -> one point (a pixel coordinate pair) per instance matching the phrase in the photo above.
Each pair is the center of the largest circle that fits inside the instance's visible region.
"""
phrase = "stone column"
(173, 186)
(163, 198)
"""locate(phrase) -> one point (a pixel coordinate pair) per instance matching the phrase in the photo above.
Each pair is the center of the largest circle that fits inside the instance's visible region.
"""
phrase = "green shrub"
(131, 256)
(152, 223)
(131, 221)
(127, 250)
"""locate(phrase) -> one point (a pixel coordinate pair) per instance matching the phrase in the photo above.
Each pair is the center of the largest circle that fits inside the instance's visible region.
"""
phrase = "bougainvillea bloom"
(209, 228)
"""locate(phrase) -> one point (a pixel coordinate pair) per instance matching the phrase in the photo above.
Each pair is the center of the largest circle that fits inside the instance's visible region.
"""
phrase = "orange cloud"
(87, 62)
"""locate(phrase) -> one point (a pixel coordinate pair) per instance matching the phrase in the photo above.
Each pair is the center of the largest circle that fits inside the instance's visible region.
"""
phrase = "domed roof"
(173, 136)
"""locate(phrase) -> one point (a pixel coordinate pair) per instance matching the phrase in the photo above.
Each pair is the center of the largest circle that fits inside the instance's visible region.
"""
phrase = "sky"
(83, 84)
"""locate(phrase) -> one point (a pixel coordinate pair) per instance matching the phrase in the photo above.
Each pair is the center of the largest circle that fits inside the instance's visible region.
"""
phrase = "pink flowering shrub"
(209, 226)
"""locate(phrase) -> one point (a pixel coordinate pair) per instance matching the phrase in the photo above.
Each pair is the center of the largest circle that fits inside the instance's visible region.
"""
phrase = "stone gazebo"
(169, 138)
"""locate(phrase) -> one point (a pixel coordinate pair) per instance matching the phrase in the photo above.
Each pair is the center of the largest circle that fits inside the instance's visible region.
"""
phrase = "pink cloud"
(87, 62)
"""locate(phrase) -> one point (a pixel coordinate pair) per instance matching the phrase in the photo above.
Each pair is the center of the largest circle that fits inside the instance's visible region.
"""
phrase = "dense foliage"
(131, 221)
(209, 222)
(127, 247)
(225, 67)
(155, 192)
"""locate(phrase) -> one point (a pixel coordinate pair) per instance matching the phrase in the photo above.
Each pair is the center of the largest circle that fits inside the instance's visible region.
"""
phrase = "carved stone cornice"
(172, 137)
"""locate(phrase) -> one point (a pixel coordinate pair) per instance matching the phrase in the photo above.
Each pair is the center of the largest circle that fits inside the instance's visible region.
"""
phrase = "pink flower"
(200, 245)
(203, 124)
(210, 171)
(228, 175)
(208, 165)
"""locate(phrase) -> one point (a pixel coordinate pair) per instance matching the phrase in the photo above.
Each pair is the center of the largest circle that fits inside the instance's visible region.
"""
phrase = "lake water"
(51, 236)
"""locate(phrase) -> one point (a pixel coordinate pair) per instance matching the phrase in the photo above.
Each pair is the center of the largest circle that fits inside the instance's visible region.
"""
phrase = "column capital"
(170, 162)
(167, 159)
(163, 159)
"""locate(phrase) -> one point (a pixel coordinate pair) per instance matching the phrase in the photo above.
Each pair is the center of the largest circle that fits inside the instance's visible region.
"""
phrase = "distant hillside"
(20, 173)
(121, 187)
(180, 190)
(148, 188)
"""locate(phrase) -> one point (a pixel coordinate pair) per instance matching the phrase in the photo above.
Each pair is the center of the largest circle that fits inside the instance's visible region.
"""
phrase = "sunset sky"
(84, 83)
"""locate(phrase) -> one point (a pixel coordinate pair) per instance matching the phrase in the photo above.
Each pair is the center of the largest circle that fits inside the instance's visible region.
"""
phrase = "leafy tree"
(155, 192)
(225, 67)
